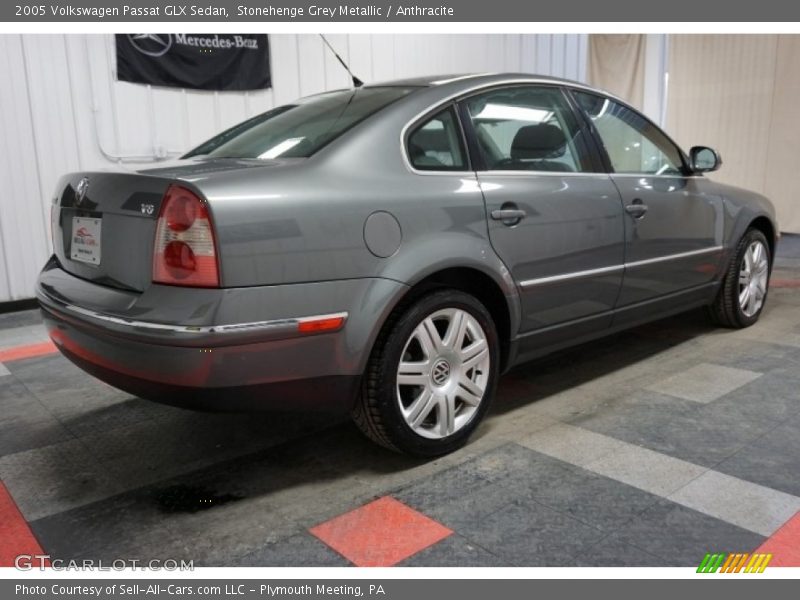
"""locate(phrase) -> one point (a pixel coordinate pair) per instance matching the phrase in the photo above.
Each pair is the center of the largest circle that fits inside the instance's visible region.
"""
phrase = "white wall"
(61, 109)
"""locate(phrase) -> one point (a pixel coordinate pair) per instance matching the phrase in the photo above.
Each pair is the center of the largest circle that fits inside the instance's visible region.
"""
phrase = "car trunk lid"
(104, 222)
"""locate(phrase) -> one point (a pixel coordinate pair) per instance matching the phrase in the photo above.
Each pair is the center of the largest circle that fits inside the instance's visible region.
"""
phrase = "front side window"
(436, 144)
(633, 144)
(527, 128)
(299, 130)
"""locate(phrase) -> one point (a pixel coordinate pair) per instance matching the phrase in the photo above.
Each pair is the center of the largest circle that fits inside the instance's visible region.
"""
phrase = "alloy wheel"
(753, 276)
(443, 373)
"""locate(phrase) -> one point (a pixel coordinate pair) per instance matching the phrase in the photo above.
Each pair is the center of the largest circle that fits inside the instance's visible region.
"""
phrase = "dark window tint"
(527, 128)
(436, 144)
(633, 144)
(300, 129)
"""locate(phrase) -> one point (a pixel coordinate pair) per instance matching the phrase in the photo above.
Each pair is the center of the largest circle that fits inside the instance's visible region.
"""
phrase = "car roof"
(463, 82)
(469, 79)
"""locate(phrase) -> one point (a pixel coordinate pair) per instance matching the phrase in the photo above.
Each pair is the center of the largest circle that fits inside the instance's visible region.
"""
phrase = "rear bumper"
(259, 362)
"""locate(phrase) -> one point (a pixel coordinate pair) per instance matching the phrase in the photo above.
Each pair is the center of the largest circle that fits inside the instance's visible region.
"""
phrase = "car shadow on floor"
(168, 442)
(580, 365)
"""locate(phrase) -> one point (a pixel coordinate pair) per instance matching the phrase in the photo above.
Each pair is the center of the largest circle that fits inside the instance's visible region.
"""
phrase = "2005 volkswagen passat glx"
(390, 250)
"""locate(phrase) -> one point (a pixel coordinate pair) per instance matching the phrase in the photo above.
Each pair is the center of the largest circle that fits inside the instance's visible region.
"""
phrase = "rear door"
(673, 220)
(554, 219)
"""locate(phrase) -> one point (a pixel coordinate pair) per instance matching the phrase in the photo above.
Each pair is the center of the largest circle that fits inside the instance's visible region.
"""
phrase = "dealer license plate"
(85, 245)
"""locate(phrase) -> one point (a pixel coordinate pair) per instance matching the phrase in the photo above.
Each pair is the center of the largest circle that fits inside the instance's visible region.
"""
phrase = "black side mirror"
(704, 159)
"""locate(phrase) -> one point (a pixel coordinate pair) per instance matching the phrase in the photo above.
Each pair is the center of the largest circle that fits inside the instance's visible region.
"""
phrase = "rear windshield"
(299, 130)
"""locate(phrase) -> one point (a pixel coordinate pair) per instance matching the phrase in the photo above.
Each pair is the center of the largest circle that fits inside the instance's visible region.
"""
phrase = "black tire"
(726, 310)
(377, 412)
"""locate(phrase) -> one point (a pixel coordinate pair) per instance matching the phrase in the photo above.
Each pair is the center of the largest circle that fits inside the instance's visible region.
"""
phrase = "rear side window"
(436, 144)
(527, 128)
(299, 130)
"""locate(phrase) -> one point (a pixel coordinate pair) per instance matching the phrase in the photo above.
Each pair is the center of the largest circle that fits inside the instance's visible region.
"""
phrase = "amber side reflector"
(320, 325)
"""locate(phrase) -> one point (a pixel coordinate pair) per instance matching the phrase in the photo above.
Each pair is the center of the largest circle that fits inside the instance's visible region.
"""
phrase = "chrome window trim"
(518, 173)
(476, 89)
(615, 268)
(652, 176)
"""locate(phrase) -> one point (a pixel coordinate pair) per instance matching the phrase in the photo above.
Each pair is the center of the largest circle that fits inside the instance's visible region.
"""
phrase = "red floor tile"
(15, 536)
(381, 533)
(29, 351)
(784, 283)
(784, 544)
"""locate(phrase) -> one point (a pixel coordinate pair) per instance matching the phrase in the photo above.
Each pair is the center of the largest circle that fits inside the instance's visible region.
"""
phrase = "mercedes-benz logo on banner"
(151, 44)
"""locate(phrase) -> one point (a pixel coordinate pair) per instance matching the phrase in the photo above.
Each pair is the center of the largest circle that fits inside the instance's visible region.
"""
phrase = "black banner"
(200, 61)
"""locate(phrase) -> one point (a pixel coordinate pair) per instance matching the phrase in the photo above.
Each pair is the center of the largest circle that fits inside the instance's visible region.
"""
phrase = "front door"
(673, 220)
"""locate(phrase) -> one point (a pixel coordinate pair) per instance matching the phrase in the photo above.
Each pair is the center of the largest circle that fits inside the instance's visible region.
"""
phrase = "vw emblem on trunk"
(81, 189)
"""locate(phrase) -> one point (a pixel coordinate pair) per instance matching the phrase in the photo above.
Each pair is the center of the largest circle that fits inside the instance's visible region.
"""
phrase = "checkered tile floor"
(649, 448)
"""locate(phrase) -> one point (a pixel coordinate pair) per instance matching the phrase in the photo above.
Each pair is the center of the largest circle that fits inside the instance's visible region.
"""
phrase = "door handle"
(636, 208)
(509, 216)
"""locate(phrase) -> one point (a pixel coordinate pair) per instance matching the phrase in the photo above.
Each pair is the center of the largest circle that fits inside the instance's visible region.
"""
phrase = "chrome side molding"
(615, 268)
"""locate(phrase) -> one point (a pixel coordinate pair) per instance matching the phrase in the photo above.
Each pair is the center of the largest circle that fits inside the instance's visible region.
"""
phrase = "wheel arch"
(480, 285)
(502, 304)
(765, 225)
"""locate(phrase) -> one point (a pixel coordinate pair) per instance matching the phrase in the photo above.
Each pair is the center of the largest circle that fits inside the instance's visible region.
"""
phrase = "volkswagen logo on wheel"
(151, 44)
(440, 372)
(81, 189)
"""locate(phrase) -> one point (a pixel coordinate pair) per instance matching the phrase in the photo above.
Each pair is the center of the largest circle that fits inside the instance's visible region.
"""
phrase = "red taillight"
(181, 211)
(184, 253)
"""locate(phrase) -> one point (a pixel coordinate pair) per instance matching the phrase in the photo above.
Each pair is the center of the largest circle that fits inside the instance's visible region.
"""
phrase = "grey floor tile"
(107, 416)
(754, 356)
(682, 536)
(571, 444)
(773, 397)
(63, 387)
(528, 475)
(647, 470)
(51, 479)
(530, 534)
(772, 461)
(11, 391)
(301, 550)
(22, 336)
(592, 499)
(34, 428)
(457, 496)
(702, 434)
(611, 552)
(24, 423)
(750, 506)
(214, 537)
(19, 319)
(777, 330)
(454, 551)
(128, 526)
(704, 382)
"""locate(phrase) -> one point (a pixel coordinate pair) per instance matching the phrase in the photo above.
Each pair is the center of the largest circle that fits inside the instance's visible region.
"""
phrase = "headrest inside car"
(538, 141)
(435, 140)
